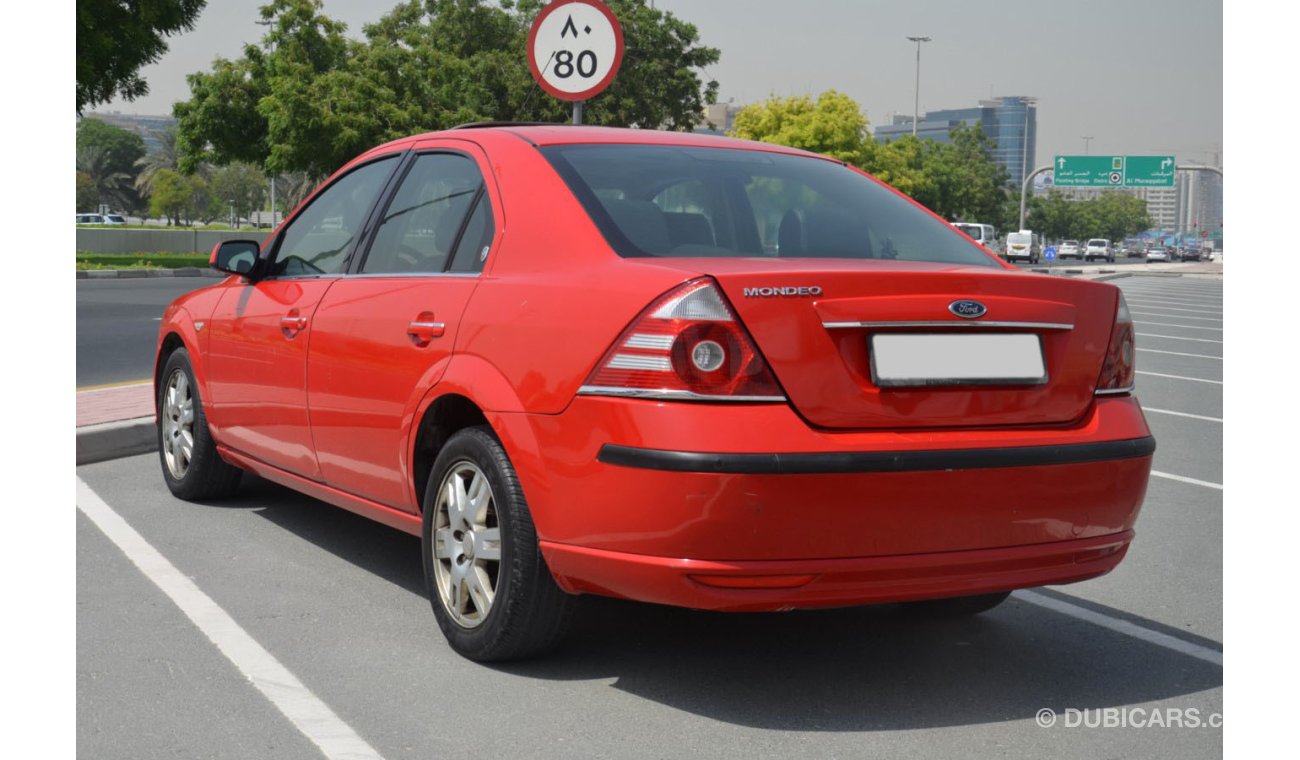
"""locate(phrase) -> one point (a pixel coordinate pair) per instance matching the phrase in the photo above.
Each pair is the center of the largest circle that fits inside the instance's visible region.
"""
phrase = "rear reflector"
(687, 345)
(753, 582)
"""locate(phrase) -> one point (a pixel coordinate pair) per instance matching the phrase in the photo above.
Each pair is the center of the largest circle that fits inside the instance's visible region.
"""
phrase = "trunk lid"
(813, 320)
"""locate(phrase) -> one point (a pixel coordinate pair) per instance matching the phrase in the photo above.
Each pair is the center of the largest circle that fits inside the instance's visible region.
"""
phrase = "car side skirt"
(393, 518)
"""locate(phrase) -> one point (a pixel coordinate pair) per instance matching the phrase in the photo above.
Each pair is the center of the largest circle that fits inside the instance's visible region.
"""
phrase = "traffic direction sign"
(575, 48)
(1050, 253)
(1113, 171)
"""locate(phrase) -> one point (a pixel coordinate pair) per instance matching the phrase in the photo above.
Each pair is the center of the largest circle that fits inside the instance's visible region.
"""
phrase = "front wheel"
(958, 606)
(492, 594)
(192, 468)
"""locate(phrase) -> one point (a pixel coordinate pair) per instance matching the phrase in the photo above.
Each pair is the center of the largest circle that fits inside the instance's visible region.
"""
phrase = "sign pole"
(577, 111)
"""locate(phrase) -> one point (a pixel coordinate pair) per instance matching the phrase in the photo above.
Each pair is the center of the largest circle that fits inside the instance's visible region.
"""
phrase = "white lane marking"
(157, 319)
(115, 387)
(1185, 479)
(1177, 337)
(1182, 414)
(1151, 305)
(1180, 377)
(304, 709)
(1175, 324)
(1122, 626)
(1160, 301)
(1180, 353)
(1177, 316)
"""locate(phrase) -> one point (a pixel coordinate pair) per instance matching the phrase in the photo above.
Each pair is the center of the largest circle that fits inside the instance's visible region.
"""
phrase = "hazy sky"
(1140, 76)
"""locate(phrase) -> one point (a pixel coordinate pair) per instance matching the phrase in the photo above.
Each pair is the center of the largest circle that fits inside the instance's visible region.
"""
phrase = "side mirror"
(235, 256)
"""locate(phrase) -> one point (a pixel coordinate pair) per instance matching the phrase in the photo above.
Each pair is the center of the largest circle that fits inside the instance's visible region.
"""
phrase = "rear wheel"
(192, 468)
(492, 594)
(958, 606)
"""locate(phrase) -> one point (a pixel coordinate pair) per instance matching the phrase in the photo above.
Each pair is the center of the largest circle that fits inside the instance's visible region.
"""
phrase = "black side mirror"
(235, 256)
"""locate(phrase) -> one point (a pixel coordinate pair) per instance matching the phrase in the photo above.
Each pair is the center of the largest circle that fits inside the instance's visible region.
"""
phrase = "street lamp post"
(267, 23)
(1087, 143)
(916, 103)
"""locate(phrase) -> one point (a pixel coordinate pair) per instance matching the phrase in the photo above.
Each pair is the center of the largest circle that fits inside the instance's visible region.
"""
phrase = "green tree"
(115, 152)
(308, 99)
(117, 37)
(966, 182)
(109, 186)
(171, 196)
(165, 157)
(833, 125)
(242, 185)
(87, 195)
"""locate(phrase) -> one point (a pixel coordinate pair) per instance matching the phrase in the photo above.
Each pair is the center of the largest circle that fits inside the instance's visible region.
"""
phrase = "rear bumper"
(632, 498)
(778, 585)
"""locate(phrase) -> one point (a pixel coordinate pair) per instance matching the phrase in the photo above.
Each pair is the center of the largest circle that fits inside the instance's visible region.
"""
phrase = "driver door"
(257, 366)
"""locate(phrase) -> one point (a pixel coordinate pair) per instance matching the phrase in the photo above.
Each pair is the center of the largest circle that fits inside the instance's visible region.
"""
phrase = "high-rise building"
(1010, 121)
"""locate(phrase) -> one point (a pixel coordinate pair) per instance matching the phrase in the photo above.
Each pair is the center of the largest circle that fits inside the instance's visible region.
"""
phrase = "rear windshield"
(1098, 243)
(1017, 237)
(652, 200)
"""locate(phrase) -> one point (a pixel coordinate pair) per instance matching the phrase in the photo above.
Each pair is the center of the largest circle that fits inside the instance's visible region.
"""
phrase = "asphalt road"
(117, 325)
(338, 601)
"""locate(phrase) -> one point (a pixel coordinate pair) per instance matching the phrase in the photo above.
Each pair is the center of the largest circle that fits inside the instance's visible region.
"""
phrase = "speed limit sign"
(575, 48)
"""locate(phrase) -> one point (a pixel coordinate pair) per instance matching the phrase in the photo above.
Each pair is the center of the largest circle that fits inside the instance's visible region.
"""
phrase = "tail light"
(1117, 372)
(686, 345)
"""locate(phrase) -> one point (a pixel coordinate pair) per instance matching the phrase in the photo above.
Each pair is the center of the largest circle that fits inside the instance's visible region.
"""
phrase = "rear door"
(260, 331)
(384, 334)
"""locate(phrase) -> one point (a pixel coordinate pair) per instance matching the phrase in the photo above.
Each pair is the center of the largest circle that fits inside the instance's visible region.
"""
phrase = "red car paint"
(318, 383)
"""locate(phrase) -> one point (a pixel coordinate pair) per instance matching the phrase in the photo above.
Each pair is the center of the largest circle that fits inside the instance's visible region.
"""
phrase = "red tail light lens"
(686, 345)
(1117, 372)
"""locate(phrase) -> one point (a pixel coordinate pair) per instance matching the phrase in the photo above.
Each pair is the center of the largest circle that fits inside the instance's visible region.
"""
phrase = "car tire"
(192, 468)
(954, 607)
(492, 595)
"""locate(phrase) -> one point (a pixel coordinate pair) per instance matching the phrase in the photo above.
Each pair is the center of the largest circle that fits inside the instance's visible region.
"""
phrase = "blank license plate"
(919, 359)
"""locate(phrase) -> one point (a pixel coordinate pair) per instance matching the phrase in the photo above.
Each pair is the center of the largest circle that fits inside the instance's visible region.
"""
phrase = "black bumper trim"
(874, 461)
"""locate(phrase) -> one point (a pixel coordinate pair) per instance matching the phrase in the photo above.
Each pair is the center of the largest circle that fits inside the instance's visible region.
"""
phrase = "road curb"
(113, 440)
(116, 274)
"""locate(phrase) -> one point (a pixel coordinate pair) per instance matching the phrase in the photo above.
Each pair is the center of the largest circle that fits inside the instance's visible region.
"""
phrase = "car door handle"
(292, 324)
(426, 330)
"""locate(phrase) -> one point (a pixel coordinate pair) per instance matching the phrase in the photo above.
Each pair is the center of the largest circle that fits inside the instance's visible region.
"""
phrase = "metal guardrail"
(109, 240)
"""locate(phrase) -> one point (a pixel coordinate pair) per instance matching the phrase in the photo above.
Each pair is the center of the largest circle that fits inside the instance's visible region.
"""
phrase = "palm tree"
(165, 157)
(112, 187)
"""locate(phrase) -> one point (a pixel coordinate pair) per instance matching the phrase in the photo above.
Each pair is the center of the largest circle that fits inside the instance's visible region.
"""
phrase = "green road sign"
(1149, 171)
(1113, 171)
(1088, 171)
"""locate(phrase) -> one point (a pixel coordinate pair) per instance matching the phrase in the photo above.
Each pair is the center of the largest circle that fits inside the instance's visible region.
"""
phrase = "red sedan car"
(666, 367)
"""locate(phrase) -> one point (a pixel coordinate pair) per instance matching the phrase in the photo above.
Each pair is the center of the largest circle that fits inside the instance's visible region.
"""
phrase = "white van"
(984, 234)
(1024, 245)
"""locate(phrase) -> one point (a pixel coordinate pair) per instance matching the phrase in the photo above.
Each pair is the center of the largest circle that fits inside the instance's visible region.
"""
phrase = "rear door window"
(434, 210)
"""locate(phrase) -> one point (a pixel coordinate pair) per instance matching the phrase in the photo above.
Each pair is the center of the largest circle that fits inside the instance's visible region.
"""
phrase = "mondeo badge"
(968, 309)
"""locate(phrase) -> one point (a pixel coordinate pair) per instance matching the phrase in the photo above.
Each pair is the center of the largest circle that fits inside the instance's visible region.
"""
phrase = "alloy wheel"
(178, 424)
(466, 545)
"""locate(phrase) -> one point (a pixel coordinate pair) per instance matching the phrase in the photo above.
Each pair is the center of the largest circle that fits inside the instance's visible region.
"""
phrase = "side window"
(421, 226)
(319, 239)
(471, 254)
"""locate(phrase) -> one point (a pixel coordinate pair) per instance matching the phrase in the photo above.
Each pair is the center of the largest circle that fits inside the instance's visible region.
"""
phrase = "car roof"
(566, 134)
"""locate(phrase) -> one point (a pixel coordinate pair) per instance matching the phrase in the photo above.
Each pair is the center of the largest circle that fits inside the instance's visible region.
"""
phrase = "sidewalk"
(114, 422)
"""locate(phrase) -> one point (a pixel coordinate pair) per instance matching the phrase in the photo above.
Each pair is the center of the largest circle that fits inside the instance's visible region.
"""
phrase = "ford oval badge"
(968, 309)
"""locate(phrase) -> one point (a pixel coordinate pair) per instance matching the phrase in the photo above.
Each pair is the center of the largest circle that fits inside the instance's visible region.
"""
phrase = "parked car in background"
(1024, 246)
(1159, 254)
(1068, 250)
(90, 219)
(1098, 249)
(619, 393)
(1189, 254)
(984, 234)
(114, 219)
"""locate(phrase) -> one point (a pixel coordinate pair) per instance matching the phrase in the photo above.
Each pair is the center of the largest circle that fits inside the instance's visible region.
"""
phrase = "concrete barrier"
(105, 240)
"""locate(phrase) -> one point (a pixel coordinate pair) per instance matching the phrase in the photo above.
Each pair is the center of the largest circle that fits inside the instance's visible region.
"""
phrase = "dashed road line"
(1185, 479)
(1182, 414)
(1180, 377)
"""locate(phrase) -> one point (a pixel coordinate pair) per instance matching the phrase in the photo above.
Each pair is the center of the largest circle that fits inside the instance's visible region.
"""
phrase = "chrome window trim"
(949, 323)
(668, 394)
